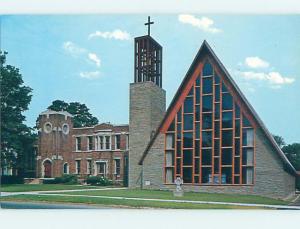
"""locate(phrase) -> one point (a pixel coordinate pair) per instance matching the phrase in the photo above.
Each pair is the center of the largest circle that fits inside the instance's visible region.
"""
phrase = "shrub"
(49, 181)
(97, 180)
(5, 179)
(298, 183)
(65, 179)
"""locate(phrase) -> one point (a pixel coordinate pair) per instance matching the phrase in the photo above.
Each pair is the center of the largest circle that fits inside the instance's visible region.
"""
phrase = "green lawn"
(156, 194)
(149, 194)
(40, 187)
(119, 203)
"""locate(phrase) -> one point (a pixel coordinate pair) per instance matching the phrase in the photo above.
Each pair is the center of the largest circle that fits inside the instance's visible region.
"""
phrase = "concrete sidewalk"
(286, 207)
(56, 191)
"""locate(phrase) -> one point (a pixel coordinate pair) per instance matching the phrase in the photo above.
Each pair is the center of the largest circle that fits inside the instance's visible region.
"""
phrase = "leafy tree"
(81, 115)
(292, 151)
(26, 159)
(58, 105)
(279, 140)
(15, 98)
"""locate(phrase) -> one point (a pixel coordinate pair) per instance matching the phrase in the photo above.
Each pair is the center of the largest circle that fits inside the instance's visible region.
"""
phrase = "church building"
(100, 150)
(209, 136)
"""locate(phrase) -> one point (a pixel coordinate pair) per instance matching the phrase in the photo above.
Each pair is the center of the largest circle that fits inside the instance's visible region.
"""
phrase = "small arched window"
(66, 168)
(207, 69)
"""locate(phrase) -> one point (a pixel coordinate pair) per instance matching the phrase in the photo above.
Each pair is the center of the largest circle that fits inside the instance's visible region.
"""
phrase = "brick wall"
(66, 149)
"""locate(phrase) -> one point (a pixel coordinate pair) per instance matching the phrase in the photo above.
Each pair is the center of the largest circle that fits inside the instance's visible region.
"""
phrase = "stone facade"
(58, 146)
(271, 178)
(147, 108)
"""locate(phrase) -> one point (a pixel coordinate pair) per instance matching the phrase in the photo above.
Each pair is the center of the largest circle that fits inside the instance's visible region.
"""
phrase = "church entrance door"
(47, 169)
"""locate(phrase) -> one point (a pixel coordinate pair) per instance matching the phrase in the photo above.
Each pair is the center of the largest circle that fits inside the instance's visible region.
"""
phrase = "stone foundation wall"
(271, 179)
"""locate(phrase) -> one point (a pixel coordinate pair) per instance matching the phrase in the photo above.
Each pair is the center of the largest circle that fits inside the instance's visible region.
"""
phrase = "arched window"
(207, 69)
(66, 168)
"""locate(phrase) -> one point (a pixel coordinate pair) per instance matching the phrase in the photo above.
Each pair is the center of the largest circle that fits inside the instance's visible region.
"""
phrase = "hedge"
(5, 179)
(97, 180)
(65, 179)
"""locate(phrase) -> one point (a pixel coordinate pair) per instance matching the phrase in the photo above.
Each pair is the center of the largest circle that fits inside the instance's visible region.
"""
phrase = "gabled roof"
(206, 49)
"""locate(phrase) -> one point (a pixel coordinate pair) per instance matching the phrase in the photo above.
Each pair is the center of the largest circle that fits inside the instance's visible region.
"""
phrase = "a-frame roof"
(205, 49)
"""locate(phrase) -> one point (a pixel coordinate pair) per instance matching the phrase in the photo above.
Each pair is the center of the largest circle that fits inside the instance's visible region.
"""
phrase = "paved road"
(35, 205)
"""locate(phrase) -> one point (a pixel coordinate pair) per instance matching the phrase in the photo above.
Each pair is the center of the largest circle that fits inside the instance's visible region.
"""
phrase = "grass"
(40, 187)
(119, 203)
(149, 194)
(156, 194)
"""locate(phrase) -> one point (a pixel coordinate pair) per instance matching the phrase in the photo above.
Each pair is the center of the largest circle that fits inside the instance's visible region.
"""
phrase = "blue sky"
(89, 59)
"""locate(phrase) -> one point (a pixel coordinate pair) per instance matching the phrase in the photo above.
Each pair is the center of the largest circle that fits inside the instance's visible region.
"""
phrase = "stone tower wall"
(147, 108)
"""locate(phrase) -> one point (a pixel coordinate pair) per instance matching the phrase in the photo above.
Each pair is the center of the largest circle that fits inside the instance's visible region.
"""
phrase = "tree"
(279, 140)
(58, 105)
(81, 115)
(15, 98)
(292, 151)
(26, 159)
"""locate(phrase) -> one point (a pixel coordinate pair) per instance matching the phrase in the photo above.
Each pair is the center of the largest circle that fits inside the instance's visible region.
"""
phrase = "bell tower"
(147, 101)
(147, 59)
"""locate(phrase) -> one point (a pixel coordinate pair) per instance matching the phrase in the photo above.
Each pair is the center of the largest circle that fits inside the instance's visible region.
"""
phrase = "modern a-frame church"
(210, 136)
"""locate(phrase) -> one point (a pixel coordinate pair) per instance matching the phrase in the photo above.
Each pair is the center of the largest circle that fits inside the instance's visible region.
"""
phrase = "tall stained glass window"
(210, 141)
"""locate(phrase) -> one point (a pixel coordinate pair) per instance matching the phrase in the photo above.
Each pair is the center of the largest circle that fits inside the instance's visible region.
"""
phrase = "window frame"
(118, 142)
(90, 143)
(178, 119)
(78, 166)
(105, 168)
(78, 142)
(116, 168)
(68, 168)
(89, 167)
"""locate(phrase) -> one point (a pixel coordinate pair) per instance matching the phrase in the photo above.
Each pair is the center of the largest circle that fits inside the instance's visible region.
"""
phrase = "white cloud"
(275, 79)
(94, 58)
(84, 56)
(203, 23)
(256, 62)
(73, 49)
(268, 77)
(90, 75)
(117, 34)
(254, 75)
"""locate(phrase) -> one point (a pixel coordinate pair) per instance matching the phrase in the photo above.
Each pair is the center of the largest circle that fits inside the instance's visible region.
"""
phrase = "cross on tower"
(148, 24)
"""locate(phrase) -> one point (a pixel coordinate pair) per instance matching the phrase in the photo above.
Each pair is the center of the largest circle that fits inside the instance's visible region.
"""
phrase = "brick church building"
(87, 151)
(210, 136)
